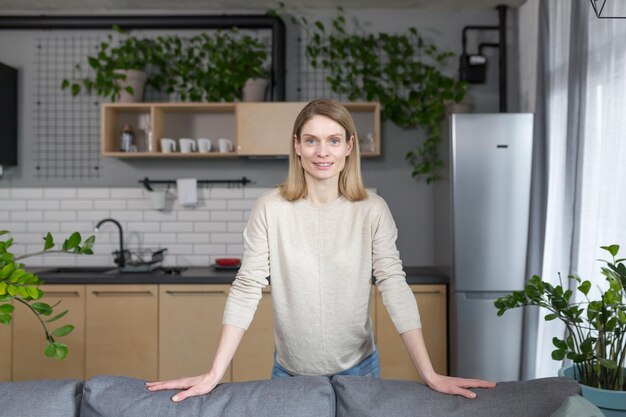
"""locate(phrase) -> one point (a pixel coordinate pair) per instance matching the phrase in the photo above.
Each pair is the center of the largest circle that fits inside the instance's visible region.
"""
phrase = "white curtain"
(581, 92)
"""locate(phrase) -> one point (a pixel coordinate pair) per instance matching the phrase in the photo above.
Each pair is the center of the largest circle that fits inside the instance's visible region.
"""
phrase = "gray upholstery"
(112, 396)
(364, 397)
(59, 398)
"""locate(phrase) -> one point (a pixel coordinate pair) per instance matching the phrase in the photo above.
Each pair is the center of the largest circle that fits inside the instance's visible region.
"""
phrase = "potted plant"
(120, 68)
(401, 71)
(596, 330)
(19, 285)
(211, 67)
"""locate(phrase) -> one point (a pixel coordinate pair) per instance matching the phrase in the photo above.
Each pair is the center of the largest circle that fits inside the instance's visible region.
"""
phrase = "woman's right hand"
(192, 386)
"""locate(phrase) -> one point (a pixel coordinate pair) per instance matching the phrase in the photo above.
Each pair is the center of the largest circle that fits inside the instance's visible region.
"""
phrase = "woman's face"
(323, 148)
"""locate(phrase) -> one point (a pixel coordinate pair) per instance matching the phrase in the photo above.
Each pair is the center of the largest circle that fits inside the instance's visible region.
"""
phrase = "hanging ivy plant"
(401, 71)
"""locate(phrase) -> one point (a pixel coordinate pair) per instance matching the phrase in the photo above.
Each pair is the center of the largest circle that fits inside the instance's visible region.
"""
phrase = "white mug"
(168, 145)
(187, 145)
(204, 145)
(225, 145)
(157, 199)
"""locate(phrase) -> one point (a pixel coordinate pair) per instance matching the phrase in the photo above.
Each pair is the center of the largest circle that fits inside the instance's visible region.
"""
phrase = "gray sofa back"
(376, 397)
(114, 396)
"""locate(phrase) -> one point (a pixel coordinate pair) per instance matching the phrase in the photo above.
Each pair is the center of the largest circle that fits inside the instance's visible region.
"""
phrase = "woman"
(319, 236)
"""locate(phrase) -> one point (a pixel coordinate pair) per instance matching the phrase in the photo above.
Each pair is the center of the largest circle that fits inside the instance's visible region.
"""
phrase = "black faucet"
(120, 259)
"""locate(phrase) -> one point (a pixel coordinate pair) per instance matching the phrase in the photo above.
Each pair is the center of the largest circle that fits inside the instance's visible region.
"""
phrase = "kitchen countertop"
(192, 275)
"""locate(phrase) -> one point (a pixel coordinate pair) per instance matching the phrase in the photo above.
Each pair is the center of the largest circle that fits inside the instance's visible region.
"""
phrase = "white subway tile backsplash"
(12, 204)
(178, 249)
(159, 238)
(26, 193)
(111, 204)
(226, 193)
(193, 260)
(94, 193)
(159, 216)
(209, 227)
(81, 227)
(215, 204)
(127, 216)
(235, 249)
(144, 226)
(254, 193)
(189, 215)
(14, 227)
(64, 216)
(76, 204)
(232, 215)
(126, 193)
(59, 193)
(31, 216)
(193, 236)
(142, 204)
(177, 227)
(28, 237)
(92, 215)
(42, 204)
(226, 237)
(240, 204)
(43, 227)
(235, 227)
(203, 249)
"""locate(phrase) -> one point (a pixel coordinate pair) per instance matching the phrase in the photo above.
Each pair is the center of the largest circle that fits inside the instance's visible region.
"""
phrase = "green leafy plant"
(211, 67)
(401, 71)
(127, 53)
(595, 341)
(205, 67)
(19, 285)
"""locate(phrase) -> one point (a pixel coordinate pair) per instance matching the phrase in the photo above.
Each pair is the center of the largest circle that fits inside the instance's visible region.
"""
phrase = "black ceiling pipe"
(224, 21)
(501, 46)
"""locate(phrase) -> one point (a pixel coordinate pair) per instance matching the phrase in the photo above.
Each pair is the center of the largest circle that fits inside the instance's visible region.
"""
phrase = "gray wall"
(411, 201)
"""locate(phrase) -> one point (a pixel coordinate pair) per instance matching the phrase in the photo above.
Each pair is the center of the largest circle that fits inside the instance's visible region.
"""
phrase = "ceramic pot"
(612, 403)
(254, 89)
(135, 79)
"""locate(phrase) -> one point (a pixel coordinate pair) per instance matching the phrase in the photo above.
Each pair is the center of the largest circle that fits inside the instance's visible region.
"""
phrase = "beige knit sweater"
(320, 259)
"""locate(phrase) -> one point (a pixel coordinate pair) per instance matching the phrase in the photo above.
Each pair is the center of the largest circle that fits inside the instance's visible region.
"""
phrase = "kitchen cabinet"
(190, 322)
(254, 358)
(5, 351)
(29, 342)
(394, 359)
(121, 325)
(265, 129)
(153, 121)
(255, 129)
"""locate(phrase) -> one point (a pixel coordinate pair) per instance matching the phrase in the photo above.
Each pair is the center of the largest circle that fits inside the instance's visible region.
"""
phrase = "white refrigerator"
(481, 233)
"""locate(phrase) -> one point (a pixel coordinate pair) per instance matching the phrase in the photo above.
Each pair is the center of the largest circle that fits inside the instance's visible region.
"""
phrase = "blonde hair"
(350, 180)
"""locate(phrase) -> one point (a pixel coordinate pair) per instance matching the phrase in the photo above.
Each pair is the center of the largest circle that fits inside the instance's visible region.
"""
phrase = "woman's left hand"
(457, 386)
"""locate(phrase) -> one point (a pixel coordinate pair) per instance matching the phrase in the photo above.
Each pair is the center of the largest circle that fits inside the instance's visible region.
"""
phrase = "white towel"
(187, 191)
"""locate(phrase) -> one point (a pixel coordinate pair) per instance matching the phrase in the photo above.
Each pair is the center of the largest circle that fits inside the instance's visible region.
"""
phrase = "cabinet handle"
(194, 292)
(63, 293)
(111, 293)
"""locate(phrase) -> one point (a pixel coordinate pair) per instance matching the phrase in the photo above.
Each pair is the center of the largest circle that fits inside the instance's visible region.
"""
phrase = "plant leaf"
(58, 316)
(48, 242)
(62, 331)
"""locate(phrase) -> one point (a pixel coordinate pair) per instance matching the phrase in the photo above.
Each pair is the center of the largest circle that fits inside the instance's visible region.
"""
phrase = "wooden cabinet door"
(29, 342)
(395, 361)
(265, 128)
(5, 351)
(255, 356)
(121, 325)
(190, 323)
